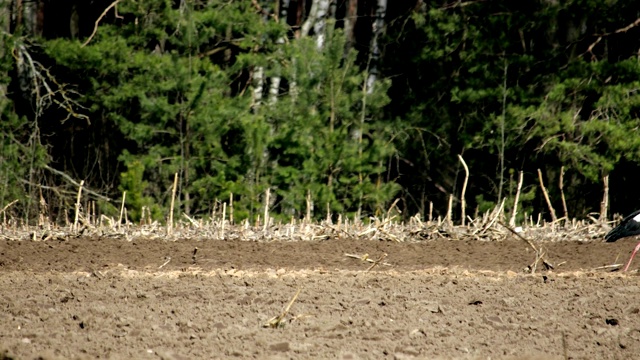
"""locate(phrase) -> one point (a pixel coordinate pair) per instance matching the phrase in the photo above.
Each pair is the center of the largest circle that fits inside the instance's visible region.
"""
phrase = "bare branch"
(621, 30)
(95, 28)
(46, 88)
(76, 184)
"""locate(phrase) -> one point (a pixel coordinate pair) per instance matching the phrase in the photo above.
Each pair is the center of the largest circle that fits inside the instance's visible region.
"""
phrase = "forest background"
(344, 105)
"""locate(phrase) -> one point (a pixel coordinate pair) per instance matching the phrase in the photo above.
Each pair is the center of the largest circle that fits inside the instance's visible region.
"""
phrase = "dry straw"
(389, 226)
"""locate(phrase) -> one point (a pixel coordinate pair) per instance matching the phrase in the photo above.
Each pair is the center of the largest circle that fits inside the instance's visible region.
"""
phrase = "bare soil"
(85, 298)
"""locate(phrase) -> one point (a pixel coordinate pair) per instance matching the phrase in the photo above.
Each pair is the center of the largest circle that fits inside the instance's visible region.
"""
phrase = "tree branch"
(621, 30)
(95, 28)
(76, 184)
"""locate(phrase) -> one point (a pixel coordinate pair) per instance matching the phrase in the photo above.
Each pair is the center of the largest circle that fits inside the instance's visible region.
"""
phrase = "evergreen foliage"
(236, 100)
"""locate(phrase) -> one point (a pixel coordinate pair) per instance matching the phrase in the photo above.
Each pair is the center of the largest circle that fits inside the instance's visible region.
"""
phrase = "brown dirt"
(448, 299)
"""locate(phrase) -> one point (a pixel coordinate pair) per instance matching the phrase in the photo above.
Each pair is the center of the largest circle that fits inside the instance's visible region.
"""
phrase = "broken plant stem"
(604, 205)
(554, 218)
(544, 261)
(75, 221)
(564, 201)
(514, 212)
(463, 203)
(124, 198)
(266, 210)
(276, 322)
(376, 262)
(173, 200)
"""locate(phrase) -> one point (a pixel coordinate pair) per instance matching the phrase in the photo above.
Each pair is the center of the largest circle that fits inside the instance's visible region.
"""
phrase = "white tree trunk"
(258, 85)
(311, 19)
(319, 28)
(378, 25)
(274, 90)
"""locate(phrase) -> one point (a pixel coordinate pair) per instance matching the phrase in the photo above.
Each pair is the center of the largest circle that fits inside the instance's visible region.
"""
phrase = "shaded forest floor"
(90, 297)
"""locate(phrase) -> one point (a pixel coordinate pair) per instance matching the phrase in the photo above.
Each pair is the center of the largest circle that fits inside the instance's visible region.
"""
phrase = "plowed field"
(444, 299)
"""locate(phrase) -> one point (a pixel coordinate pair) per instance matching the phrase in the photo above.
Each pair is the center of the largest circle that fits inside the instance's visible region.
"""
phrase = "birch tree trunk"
(274, 89)
(374, 60)
(258, 84)
(311, 19)
(319, 28)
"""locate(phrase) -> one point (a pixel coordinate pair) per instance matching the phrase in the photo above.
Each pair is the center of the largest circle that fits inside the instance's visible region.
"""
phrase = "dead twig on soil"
(365, 257)
(165, 263)
(534, 266)
(538, 253)
(376, 262)
(609, 267)
(276, 322)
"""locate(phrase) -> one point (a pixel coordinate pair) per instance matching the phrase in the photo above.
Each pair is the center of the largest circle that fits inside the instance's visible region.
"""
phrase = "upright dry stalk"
(502, 129)
(554, 218)
(450, 209)
(463, 203)
(214, 211)
(604, 205)
(430, 211)
(4, 211)
(143, 212)
(43, 216)
(124, 197)
(224, 213)
(93, 212)
(231, 208)
(564, 201)
(75, 221)
(328, 213)
(514, 212)
(88, 213)
(266, 210)
(309, 205)
(173, 200)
